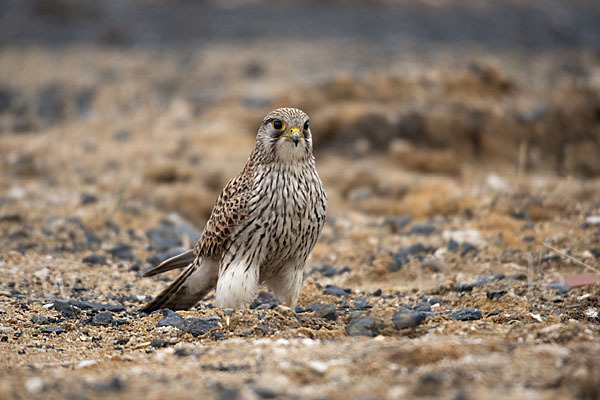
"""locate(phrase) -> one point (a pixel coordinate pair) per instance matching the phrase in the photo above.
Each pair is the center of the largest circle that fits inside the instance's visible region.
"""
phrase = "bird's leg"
(286, 283)
(237, 285)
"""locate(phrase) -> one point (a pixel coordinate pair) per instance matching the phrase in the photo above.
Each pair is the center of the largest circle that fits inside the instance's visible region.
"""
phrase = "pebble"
(122, 251)
(453, 246)
(6, 99)
(329, 271)
(560, 287)
(89, 305)
(51, 103)
(5, 329)
(461, 237)
(40, 320)
(170, 234)
(103, 319)
(398, 222)
(88, 198)
(95, 259)
(171, 319)
(467, 314)
(65, 308)
(468, 247)
(425, 229)
(83, 101)
(53, 330)
(406, 319)
(593, 220)
(264, 301)
(159, 342)
(200, 326)
(337, 291)
(366, 326)
(495, 295)
(326, 311)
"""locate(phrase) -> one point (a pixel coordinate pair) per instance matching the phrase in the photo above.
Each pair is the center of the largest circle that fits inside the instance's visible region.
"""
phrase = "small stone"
(265, 393)
(53, 330)
(495, 295)
(366, 326)
(405, 319)
(103, 319)
(529, 239)
(326, 311)
(560, 287)
(88, 198)
(264, 301)
(113, 385)
(65, 308)
(453, 246)
(425, 229)
(159, 343)
(51, 103)
(468, 247)
(122, 251)
(171, 319)
(201, 326)
(337, 291)
(95, 259)
(398, 222)
(377, 293)
(5, 329)
(467, 314)
(83, 100)
(40, 320)
(122, 135)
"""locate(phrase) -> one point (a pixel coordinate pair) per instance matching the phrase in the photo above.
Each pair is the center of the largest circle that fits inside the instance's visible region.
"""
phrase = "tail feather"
(179, 261)
(187, 289)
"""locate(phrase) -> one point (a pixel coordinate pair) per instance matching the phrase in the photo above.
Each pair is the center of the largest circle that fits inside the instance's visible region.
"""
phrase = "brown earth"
(463, 192)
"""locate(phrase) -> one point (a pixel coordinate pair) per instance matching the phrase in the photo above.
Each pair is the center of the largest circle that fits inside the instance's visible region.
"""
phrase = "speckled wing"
(229, 211)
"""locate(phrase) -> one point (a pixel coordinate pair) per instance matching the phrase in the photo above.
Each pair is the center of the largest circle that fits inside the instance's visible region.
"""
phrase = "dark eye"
(278, 125)
(306, 126)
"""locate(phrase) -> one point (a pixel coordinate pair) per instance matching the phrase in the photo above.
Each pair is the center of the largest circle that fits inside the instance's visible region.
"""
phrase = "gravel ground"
(460, 257)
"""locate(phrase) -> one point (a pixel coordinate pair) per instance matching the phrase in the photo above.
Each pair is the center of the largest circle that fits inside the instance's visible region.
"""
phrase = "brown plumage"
(262, 227)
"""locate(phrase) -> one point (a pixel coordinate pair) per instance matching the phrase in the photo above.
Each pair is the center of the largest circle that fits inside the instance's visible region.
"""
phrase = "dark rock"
(495, 312)
(201, 326)
(329, 271)
(265, 393)
(377, 293)
(334, 290)
(171, 318)
(467, 314)
(122, 135)
(406, 319)
(425, 229)
(495, 295)
(83, 101)
(403, 255)
(95, 259)
(88, 198)
(6, 99)
(159, 343)
(116, 384)
(366, 326)
(53, 330)
(453, 246)
(464, 287)
(40, 320)
(529, 239)
(549, 257)
(11, 218)
(468, 247)
(123, 252)
(65, 308)
(262, 329)
(51, 104)
(422, 307)
(360, 303)
(398, 222)
(264, 301)
(103, 319)
(560, 287)
(326, 311)
(521, 215)
(595, 252)
(22, 124)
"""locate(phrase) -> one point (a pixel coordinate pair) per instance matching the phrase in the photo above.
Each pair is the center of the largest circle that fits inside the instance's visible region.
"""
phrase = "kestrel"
(262, 227)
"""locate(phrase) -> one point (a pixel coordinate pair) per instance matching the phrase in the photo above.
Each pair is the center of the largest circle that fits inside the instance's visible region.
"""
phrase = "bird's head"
(285, 135)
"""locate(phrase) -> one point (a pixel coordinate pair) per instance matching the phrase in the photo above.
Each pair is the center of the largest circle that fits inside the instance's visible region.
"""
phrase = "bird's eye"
(306, 126)
(278, 125)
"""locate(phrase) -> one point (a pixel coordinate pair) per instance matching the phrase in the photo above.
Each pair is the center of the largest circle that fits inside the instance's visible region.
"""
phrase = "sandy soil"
(460, 258)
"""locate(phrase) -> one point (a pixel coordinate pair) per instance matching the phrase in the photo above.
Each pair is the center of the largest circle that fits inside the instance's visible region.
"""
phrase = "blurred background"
(160, 100)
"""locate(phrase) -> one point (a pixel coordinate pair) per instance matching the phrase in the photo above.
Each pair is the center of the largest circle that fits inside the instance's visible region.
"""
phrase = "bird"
(262, 228)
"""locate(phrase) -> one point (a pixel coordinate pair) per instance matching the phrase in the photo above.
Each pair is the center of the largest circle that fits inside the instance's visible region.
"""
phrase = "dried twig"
(578, 261)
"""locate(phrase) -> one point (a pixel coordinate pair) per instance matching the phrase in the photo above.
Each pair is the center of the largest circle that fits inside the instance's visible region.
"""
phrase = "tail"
(189, 287)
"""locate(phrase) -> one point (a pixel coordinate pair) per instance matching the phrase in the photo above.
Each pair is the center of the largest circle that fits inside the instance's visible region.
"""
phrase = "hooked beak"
(293, 134)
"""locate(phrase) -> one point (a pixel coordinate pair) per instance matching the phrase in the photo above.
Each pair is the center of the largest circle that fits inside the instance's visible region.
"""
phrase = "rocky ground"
(460, 259)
